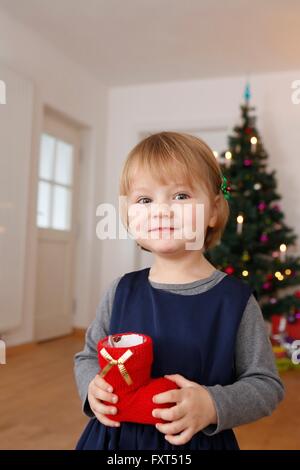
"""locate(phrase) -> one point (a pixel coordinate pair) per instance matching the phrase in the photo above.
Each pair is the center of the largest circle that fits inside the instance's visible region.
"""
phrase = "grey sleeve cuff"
(90, 374)
(86, 409)
(258, 388)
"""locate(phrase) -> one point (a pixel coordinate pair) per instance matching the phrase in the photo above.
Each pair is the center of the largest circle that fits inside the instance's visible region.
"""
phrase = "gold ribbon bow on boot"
(119, 362)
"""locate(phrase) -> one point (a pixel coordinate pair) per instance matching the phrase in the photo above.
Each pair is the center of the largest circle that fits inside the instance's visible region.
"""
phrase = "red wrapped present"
(280, 324)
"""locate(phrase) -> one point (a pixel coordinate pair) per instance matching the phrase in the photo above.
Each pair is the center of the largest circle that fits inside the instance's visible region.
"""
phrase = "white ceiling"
(138, 41)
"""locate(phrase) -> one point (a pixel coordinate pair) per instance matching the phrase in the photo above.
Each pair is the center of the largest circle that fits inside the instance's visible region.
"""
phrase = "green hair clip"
(225, 188)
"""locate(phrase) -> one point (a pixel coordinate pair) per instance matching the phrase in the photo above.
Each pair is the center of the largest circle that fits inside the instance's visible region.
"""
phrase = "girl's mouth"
(160, 229)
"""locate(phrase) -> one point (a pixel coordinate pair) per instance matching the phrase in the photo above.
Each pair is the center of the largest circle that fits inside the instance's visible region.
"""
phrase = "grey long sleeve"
(257, 389)
(86, 364)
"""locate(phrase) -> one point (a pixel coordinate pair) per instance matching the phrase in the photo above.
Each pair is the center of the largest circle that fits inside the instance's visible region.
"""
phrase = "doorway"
(57, 199)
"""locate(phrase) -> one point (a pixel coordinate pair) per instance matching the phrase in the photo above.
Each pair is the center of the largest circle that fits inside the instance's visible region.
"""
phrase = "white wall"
(15, 157)
(61, 84)
(193, 105)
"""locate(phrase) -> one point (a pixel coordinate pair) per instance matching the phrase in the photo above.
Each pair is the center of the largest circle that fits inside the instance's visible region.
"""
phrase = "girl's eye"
(147, 199)
(143, 199)
(183, 194)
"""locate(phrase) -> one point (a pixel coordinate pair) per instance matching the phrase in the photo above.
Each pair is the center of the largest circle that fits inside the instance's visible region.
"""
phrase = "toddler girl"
(207, 328)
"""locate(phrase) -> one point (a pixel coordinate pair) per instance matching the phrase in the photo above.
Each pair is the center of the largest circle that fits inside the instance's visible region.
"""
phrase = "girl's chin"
(164, 245)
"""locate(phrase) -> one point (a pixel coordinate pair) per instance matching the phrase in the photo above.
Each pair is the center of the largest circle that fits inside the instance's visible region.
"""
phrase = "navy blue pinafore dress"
(193, 335)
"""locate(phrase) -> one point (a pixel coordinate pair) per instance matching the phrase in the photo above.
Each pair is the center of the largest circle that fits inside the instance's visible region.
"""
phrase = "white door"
(56, 216)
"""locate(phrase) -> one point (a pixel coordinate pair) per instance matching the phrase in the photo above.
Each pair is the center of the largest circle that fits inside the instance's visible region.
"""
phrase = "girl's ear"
(214, 212)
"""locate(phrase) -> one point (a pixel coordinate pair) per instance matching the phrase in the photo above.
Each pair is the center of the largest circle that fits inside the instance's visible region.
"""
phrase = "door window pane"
(46, 157)
(43, 209)
(61, 214)
(63, 163)
(55, 194)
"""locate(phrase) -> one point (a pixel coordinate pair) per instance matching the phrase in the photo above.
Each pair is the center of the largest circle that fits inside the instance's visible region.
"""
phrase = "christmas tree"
(256, 244)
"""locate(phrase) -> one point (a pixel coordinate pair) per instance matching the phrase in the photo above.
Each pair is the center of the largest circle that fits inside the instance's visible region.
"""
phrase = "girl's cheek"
(198, 218)
(138, 220)
(183, 214)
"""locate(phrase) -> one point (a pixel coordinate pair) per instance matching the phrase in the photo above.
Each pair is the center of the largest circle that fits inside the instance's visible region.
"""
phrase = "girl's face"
(170, 217)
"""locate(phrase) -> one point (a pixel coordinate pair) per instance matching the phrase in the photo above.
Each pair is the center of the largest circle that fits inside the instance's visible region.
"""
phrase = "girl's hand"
(194, 410)
(97, 391)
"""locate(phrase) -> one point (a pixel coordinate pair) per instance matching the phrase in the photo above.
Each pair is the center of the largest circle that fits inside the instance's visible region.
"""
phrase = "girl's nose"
(163, 210)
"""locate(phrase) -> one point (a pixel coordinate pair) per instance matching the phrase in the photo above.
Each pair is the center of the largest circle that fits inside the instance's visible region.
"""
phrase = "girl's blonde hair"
(172, 155)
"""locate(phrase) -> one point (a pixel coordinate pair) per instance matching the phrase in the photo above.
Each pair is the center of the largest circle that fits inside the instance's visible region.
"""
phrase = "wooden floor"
(40, 408)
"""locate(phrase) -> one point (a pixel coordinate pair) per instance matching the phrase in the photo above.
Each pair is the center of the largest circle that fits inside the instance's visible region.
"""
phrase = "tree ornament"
(267, 285)
(247, 93)
(229, 270)
(264, 237)
(262, 206)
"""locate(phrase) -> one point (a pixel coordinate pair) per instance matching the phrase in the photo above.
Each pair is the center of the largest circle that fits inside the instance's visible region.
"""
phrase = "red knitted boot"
(125, 361)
